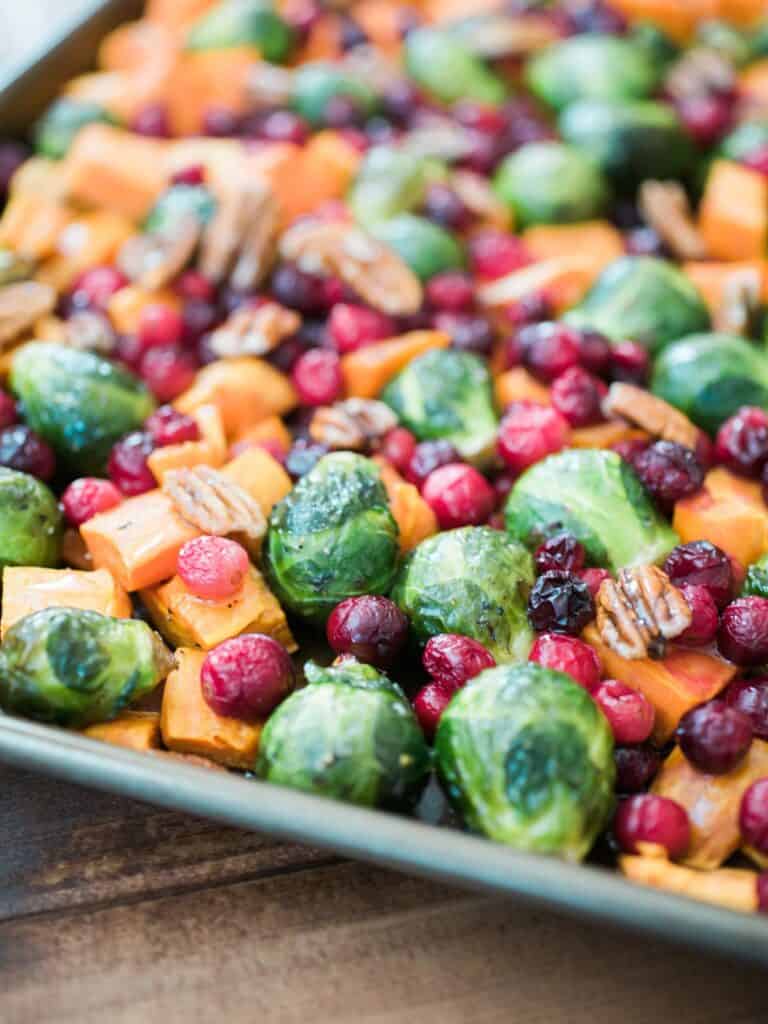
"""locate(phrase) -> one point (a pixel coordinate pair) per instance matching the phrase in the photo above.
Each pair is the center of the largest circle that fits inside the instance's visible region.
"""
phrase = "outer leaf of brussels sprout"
(57, 128)
(441, 65)
(315, 84)
(332, 537)
(30, 521)
(243, 23)
(80, 403)
(710, 376)
(178, 203)
(473, 581)
(527, 758)
(447, 394)
(74, 667)
(427, 248)
(350, 735)
(642, 298)
(390, 181)
(595, 496)
(756, 582)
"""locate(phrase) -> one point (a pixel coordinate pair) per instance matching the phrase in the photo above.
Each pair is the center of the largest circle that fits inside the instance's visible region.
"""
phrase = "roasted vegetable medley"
(385, 414)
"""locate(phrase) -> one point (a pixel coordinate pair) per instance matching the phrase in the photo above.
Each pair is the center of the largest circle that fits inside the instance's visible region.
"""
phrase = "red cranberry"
(167, 372)
(429, 704)
(192, 174)
(495, 253)
(469, 332)
(753, 816)
(635, 767)
(303, 456)
(714, 736)
(706, 117)
(220, 122)
(195, 286)
(561, 552)
(284, 126)
(297, 290)
(316, 375)
(87, 497)
(757, 160)
(560, 602)
(370, 627)
(458, 495)
(152, 121)
(199, 317)
(9, 413)
(703, 627)
(427, 456)
(630, 363)
(742, 441)
(160, 326)
(127, 466)
(213, 568)
(247, 677)
(669, 472)
(750, 696)
(630, 714)
(531, 309)
(594, 352)
(578, 396)
(450, 292)
(647, 818)
(452, 660)
(702, 564)
(512, 351)
(528, 433)
(169, 426)
(446, 208)
(95, 287)
(352, 327)
(22, 449)
(479, 116)
(334, 292)
(398, 447)
(549, 349)
(567, 654)
(743, 633)
(399, 100)
(594, 578)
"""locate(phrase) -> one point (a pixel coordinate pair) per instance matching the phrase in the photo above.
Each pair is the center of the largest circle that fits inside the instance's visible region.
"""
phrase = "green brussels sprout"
(629, 141)
(389, 182)
(526, 757)
(474, 581)
(427, 248)
(350, 735)
(243, 23)
(30, 521)
(591, 67)
(643, 298)
(710, 376)
(438, 62)
(550, 183)
(73, 667)
(596, 496)
(759, 40)
(79, 402)
(178, 203)
(447, 394)
(15, 267)
(661, 50)
(55, 132)
(332, 537)
(733, 43)
(315, 84)
(756, 582)
(745, 139)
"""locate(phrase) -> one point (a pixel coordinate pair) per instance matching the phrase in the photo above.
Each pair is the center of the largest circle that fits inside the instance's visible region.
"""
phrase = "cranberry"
(753, 816)
(528, 433)
(561, 552)
(370, 627)
(452, 660)
(630, 363)
(9, 412)
(22, 449)
(635, 767)
(127, 465)
(283, 126)
(629, 712)
(352, 327)
(247, 677)
(194, 286)
(450, 292)
(192, 174)
(169, 426)
(560, 602)
(578, 396)
(316, 375)
(647, 818)
(167, 372)
(702, 564)
(293, 288)
(427, 456)
(669, 472)
(644, 241)
(303, 456)
(160, 326)
(742, 441)
(458, 495)
(220, 122)
(549, 349)
(12, 156)
(714, 736)
(502, 485)
(706, 117)
(594, 352)
(152, 121)
(757, 160)
(213, 568)
(704, 621)
(743, 633)
(199, 317)
(567, 654)
(397, 447)
(95, 287)
(512, 352)
(429, 704)
(494, 253)
(356, 138)
(531, 309)
(399, 99)
(87, 497)
(480, 117)
(444, 206)
(342, 111)
(287, 352)
(469, 332)
(750, 696)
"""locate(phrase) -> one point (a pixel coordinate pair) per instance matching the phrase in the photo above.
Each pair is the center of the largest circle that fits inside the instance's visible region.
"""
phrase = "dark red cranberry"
(657, 820)
(629, 712)
(669, 472)
(9, 412)
(594, 352)
(152, 121)
(704, 621)
(247, 677)
(160, 325)
(428, 706)
(192, 174)
(714, 736)
(561, 552)
(643, 241)
(529, 432)
(127, 466)
(594, 578)
(199, 316)
(495, 253)
(220, 122)
(212, 568)
(560, 602)
(702, 564)
(567, 654)
(371, 627)
(24, 450)
(95, 287)
(342, 111)
(450, 292)
(482, 152)
(630, 449)
(284, 126)
(512, 351)
(445, 207)
(297, 290)
(316, 375)
(707, 117)
(469, 332)
(630, 363)
(531, 309)
(12, 156)
(549, 349)
(742, 441)
(169, 426)
(757, 160)
(87, 497)
(452, 660)
(502, 485)
(192, 285)
(750, 696)
(352, 327)
(743, 633)
(753, 816)
(303, 456)
(458, 495)
(397, 447)
(399, 100)
(426, 458)
(287, 352)
(578, 396)
(635, 767)
(167, 372)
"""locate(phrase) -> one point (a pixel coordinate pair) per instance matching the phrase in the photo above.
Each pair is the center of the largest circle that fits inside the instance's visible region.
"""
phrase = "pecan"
(644, 410)
(215, 504)
(352, 424)
(90, 332)
(254, 332)
(15, 267)
(699, 72)
(639, 611)
(152, 260)
(666, 209)
(21, 304)
(739, 309)
(240, 242)
(480, 199)
(372, 269)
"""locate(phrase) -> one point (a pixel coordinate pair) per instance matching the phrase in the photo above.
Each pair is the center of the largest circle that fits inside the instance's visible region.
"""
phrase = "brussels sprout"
(55, 131)
(630, 141)
(350, 735)
(473, 581)
(80, 403)
(30, 521)
(390, 181)
(447, 394)
(709, 376)
(591, 67)
(550, 183)
(756, 582)
(527, 758)
(315, 84)
(442, 66)
(178, 203)
(745, 139)
(332, 537)
(596, 496)
(243, 23)
(660, 49)
(642, 298)
(73, 667)
(427, 248)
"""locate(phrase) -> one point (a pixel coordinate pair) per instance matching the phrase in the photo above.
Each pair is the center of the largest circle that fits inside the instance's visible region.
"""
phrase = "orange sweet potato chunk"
(205, 79)
(209, 450)
(733, 215)
(604, 435)
(91, 240)
(136, 730)
(261, 475)
(518, 385)
(27, 589)
(270, 429)
(710, 278)
(414, 516)
(733, 888)
(368, 370)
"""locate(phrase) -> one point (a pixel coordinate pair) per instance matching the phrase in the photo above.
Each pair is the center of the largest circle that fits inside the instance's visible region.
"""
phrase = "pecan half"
(153, 260)
(639, 611)
(666, 209)
(91, 332)
(254, 332)
(352, 424)
(699, 72)
(21, 304)
(644, 410)
(215, 504)
(480, 199)
(240, 242)
(739, 309)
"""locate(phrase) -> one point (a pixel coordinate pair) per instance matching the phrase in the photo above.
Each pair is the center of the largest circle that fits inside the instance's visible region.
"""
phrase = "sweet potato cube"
(518, 385)
(136, 730)
(91, 240)
(29, 589)
(734, 888)
(272, 429)
(209, 450)
(414, 516)
(604, 435)
(127, 304)
(190, 726)
(733, 215)
(369, 369)
(261, 475)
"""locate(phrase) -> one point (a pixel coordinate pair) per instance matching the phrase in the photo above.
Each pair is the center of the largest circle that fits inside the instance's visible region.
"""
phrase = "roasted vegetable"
(473, 581)
(527, 758)
(74, 667)
(756, 582)
(390, 181)
(57, 128)
(315, 84)
(178, 203)
(243, 23)
(427, 248)
(351, 735)
(440, 64)
(30, 521)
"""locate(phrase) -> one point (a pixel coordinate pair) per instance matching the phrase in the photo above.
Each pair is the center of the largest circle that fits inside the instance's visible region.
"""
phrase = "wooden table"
(116, 912)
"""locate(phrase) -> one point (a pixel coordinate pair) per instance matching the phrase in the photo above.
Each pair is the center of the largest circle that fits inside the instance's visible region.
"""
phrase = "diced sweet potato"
(711, 278)
(270, 429)
(369, 369)
(733, 215)
(262, 476)
(323, 40)
(604, 435)
(380, 21)
(204, 79)
(589, 247)
(563, 277)
(209, 450)
(323, 171)
(733, 888)
(136, 730)
(27, 589)
(136, 44)
(127, 304)
(677, 18)
(31, 224)
(177, 13)
(414, 516)
(123, 93)
(89, 241)
(740, 12)
(518, 385)
(190, 726)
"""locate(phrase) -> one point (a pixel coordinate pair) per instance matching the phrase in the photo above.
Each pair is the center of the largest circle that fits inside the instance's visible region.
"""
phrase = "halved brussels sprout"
(447, 394)
(178, 203)
(74, 667)
(427, 248)
(56, 130)
(243, 23)
(595, 496)
(551, 183)
(440, 64)
(756, 582)
(710, 376)
(316, 83)
(332, 537)
(390, 181)
(642, 298)
(30, 521)
(80, 403)
(474, 581)
(526, 757)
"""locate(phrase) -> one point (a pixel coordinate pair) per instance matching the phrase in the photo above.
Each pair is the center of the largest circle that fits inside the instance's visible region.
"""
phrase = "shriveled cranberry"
(352, 327)
(169, 426)
(450, 292)
(706, 117)
(750, 696)
(531, 309)
(702, 564)
(704, 622)
(594, 578)
(578, 396)
(669, 472)
(560, 552)
(152, 120)
(452, 660)
(303, 456)
(22, 449)
(753, 816)
(194, 285)
(160, 325)
(560, 602)
(316, 375)
(458, 495)
(428, 706)
(167, 371)
(212, 568)
(370, 627)
(426, 458)
(743, 633)
(444, 206)
(297, 290)
(495, 253)
(127, 466)
(594, 352)
(630, 448)
(199, 316)
(529, 432)
(549, 349)
(567, 654)
(397, 447)
(191, 174)
(220, 122)
(647, 818)
(714, 736)
(87, 497)
(630, 714)
(630, 363)
(247, 676)
(742, 441)
(9, 412)
(635, 767)
(469, 332)
(95, 287)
